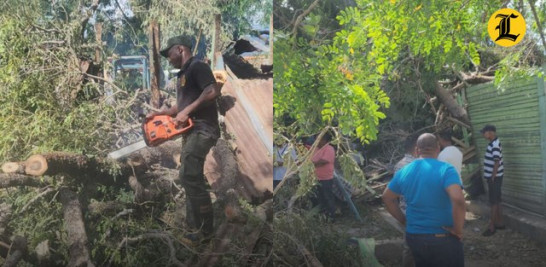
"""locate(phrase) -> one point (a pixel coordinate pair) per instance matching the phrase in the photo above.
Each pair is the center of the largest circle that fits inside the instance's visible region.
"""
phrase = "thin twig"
(37, 197)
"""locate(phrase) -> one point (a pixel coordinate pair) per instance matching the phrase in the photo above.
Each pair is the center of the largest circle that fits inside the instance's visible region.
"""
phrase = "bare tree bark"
(75, 228)
(476, 78)
(153, 47)
(539, 26)
(12, 180)
(451, 104)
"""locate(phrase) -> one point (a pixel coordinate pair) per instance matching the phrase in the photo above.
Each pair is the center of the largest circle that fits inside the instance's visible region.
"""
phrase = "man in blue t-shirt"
(435, 206)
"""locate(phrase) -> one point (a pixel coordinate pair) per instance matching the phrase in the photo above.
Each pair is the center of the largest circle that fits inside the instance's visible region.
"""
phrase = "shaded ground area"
(505, 248)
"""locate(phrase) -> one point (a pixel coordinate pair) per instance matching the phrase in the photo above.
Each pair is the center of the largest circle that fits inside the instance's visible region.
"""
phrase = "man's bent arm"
(455, 193)
(210, 93)
(391, 203)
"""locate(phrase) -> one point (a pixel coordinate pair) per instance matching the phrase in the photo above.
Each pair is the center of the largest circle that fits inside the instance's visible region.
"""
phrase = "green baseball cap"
(177, 40)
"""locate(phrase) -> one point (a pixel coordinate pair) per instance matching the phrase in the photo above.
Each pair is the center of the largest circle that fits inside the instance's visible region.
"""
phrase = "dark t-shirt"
(193, 78)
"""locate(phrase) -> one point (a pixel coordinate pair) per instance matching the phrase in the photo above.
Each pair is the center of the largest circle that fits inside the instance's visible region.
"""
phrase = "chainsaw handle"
(189, 125)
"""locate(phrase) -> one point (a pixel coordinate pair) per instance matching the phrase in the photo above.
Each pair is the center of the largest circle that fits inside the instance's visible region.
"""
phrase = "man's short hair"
(427, 142)
(488, 128)
(446, 134)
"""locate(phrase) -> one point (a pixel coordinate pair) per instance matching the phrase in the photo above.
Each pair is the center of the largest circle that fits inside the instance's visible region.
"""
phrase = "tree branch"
(539, 26)
(75, 228)
(167, 238)
(300, 18)
(84, 21)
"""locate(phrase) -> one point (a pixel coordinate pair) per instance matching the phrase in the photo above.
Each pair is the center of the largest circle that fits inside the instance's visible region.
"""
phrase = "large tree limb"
(539, 26)
(476, 78)
(75, 228)
(451, 104)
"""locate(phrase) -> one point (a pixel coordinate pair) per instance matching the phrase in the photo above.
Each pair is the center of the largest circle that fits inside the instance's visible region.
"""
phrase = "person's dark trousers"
(436, 250)
(326, 196)
(195, 148)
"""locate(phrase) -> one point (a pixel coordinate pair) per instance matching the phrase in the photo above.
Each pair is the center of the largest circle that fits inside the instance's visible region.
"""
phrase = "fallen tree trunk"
(84, 168)
(75, 228)
(451, 104)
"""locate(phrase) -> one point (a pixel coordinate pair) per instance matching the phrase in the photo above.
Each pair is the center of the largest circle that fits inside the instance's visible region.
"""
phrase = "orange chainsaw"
(156, 131)
(161, 128)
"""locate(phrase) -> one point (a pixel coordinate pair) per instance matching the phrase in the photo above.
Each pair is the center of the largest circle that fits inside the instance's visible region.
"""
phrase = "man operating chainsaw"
(196, 91)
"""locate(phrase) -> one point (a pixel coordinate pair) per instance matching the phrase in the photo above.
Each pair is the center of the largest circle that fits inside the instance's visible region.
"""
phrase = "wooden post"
(271, 39)
(216, 38)
(153, 48)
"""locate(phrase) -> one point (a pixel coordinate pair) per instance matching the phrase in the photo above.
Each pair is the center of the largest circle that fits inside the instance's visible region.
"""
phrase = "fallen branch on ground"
(75, 228)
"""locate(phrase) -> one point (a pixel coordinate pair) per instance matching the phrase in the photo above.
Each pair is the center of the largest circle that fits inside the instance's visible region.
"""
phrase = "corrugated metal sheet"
(250, 124)
(515, 111)
(253, 155)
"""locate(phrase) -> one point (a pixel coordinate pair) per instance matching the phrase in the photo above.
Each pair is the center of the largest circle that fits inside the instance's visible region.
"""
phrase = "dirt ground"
(505, 248)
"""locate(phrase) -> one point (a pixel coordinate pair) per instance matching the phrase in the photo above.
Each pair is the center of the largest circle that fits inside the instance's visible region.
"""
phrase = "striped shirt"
(492, 154)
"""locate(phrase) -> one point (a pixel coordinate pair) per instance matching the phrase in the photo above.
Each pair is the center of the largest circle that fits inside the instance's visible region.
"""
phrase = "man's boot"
(203, 214)
(201, 211)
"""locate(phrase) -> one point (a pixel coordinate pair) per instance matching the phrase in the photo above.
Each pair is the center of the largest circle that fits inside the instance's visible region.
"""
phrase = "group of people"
(428, 178)
(426, 197)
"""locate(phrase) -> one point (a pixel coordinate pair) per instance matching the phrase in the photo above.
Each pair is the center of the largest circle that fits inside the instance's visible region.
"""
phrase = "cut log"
(230, 176)
(13, 167)
(220, 76)
(137, 164)
(92, 169)
(75, 228)
(12, 180)
(36, 165)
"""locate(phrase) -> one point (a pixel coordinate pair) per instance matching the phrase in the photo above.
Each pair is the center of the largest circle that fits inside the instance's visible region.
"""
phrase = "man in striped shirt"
(493, 171)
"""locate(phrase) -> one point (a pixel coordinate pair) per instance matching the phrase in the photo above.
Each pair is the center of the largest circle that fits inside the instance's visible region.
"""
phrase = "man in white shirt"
(450, 153)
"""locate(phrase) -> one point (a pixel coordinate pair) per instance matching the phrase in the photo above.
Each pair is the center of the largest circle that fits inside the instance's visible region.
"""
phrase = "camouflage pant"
(195, 148)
